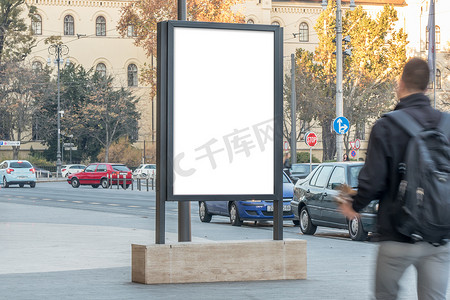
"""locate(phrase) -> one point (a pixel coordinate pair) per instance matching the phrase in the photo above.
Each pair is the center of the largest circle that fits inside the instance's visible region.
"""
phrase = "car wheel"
(104, 183)
(306, 226)
(356, 230)
(75, 182)
(205, 217)
(234, 215)
(95, 186)
(32, 185)
(21, 184)
(5, 183)
(296, 222)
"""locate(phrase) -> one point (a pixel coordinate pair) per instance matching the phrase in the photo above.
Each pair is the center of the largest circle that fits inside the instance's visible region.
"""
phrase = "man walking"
(380, 178)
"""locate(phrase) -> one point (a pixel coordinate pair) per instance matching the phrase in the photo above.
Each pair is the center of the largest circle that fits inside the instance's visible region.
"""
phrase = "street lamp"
(339, 93)
(58, 50)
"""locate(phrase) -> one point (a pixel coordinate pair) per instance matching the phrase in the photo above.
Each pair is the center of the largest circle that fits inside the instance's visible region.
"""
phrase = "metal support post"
(339, 92)
(184, 207)
(293, 113)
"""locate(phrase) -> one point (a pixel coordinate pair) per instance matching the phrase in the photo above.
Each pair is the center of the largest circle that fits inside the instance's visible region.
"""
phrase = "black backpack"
(424, 189)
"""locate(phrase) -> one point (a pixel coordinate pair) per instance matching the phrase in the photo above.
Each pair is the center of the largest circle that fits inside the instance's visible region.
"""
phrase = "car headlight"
(372, 207)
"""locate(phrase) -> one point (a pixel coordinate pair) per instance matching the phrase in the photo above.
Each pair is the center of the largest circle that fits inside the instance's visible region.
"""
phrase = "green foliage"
(16, 40)
(303, 157)
(122, 152)
(369, 75)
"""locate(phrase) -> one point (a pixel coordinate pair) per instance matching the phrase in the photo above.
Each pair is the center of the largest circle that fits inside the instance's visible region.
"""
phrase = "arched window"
(438, 37)
(101, 69)
(303, 32)
(276, 23)
(36, 66)
(438, 79)
(250, 21)
(69, 25)
(131, 32)
(132, 75)
(36, 25)
(100, 26)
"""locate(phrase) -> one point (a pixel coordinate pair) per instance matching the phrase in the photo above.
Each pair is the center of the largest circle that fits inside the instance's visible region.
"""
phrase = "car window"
(3, 165)
(91, 168)
(300, 168)
(338, 176)
(20, 164)
(101, 168)
(150, 167)
(73, 167)
(323, 176)
(314, 177)
(353, 173)
(119, 168)
(285, 179)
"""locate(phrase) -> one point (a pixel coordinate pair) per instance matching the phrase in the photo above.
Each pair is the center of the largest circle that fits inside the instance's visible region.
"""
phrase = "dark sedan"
(314, 205)
(301, 170)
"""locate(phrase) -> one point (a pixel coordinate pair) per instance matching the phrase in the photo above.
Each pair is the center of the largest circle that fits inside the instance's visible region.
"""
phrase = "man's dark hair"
(416, 74)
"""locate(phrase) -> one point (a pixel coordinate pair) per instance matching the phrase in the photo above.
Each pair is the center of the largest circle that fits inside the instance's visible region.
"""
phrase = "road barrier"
(140, 181)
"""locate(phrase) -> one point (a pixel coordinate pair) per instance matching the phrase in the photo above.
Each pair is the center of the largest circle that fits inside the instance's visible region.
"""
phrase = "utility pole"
(339, 94)
(293, 113)
(184, 207)
(58, 50)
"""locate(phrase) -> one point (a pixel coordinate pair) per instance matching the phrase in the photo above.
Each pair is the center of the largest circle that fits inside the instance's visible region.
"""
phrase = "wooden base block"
(221, 261)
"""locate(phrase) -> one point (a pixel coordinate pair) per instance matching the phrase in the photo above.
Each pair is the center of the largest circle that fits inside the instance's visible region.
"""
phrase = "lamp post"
(58, 50)
(339, 92)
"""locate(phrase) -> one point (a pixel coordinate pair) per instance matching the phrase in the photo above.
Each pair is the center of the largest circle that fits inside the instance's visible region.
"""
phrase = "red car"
(103, 174)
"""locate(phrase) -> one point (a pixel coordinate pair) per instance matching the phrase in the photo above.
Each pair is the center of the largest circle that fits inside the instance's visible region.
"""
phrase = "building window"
(131, 32)
(275, 23)
(132, 75)
(303, 32)
(438, 79)
(69, 25)
(36, 66)
(101, 69)
(360, 131)
(100, 26)
(250, 21)
(438, 37)
(36, 25)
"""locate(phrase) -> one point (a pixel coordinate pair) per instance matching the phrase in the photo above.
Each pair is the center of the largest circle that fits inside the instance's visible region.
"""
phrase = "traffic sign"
(311, 139)
(357, 144)
(341, 125)
(353, 153)
(286, 145)
(9, 143)
(68, 145)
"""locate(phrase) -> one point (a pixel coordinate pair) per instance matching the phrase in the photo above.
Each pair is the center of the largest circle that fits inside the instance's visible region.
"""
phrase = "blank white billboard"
(223, 111)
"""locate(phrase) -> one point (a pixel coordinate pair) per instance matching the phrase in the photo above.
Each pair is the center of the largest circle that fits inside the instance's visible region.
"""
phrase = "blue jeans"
(432, 265)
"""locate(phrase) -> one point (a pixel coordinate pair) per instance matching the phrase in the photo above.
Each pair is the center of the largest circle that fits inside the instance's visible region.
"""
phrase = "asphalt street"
(57, 242)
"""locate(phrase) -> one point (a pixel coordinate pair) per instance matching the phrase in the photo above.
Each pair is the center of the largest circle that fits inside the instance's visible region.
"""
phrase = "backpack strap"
(444, 124)
(405, 121)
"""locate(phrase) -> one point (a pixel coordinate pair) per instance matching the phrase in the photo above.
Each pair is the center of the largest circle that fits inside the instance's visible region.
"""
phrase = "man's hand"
(347, 210)
(344, 200)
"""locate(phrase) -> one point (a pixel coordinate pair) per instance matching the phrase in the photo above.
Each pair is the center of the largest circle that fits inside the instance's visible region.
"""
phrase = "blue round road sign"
(341, 125)
(353, 153)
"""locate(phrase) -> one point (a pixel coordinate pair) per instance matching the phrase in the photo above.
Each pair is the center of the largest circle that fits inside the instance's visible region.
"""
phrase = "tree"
(378, 55)
(16, 40)
(108, 113)
(140, 18)
(20, 88)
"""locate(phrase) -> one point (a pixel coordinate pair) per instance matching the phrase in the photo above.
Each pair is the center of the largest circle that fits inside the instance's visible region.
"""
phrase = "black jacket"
(379, 178)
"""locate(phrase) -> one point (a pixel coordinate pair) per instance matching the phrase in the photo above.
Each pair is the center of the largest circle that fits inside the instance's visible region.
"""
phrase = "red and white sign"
(355, 145)
(311, 139)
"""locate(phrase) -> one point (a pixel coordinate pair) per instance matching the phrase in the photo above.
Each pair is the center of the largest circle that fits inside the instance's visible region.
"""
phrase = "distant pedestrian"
(380, 179)
(287, 164)
(345, 158)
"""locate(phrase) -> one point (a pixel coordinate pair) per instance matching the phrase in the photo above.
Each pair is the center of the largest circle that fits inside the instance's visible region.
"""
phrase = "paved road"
(57, 242)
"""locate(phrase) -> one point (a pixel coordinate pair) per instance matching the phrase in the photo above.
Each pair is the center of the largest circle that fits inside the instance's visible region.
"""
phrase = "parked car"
(145, 170)
(70, 169)
(300, 171)
(314, 205)
(103, 174)
(42, 173)
(253, 210)
(19, 172)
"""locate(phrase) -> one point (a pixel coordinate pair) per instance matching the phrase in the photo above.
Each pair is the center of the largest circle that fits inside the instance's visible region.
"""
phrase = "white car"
(71, 169)
(145, 171)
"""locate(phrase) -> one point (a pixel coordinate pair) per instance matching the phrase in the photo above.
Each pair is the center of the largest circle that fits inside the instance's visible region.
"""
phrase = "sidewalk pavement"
(46, 254)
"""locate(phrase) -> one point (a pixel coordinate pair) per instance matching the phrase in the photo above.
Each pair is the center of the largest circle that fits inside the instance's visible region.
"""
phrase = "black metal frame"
(164, 189)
